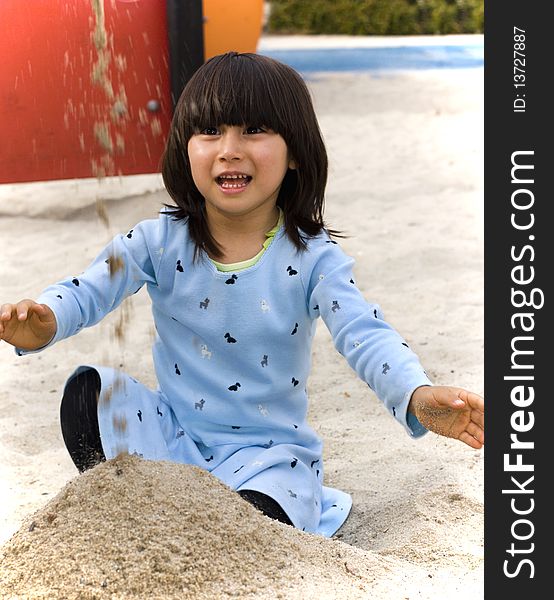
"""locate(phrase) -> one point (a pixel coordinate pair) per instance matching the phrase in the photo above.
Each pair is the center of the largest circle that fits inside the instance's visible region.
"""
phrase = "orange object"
(235, 25)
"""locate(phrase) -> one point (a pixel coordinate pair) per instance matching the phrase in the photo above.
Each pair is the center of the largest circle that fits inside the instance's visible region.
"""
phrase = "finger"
(454, 399)
(478, 418)
(41, 310)
(477, 432)
(472, 399)
(464, 398)
(24, 307)
(476, 402)
(468, 439)
(6, 311)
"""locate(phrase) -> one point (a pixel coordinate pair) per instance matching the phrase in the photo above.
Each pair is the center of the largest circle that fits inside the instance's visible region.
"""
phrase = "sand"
(144, 529)
(406, 185)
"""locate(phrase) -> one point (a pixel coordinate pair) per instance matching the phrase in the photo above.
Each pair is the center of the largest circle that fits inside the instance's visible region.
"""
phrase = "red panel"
(55, 123)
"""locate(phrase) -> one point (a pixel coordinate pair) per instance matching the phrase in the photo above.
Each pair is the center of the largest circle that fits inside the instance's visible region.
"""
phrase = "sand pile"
(131, 528)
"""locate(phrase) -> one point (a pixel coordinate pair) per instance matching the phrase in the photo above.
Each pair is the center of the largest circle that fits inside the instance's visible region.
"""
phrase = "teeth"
(235, 185)
(234, 181)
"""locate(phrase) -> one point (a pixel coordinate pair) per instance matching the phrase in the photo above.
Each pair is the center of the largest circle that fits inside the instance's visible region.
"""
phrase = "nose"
(231, 147)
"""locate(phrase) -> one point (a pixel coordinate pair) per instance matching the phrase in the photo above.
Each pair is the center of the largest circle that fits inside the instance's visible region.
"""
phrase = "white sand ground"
(406, 185)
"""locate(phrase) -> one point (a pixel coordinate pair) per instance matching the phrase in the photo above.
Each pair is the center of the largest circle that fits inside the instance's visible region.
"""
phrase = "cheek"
(276, 159)
(199, 162)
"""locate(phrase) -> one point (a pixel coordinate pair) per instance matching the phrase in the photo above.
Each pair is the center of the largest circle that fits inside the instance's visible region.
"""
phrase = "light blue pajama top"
(232, 357)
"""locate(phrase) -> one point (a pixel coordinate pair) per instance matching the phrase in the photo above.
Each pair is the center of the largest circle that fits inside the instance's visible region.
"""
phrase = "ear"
(292, 164)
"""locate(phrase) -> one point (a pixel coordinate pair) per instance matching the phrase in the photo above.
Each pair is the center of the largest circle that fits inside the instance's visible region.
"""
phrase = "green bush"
(376, 17)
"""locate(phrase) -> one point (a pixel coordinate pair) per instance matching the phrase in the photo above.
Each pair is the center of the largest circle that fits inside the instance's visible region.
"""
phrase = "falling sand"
(112, 113)
(131, 528)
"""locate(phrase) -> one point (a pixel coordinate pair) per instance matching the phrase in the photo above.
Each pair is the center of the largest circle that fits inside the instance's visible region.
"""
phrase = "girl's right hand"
(27, 325)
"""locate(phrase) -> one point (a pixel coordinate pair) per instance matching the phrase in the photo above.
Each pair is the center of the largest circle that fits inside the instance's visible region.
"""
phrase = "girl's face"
(238, 170)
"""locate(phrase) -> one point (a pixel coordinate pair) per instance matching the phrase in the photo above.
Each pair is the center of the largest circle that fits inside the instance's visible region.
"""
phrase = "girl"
(238, 270)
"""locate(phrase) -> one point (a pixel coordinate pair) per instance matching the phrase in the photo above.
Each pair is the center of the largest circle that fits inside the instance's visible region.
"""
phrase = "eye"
(255, 129)
(210, 131)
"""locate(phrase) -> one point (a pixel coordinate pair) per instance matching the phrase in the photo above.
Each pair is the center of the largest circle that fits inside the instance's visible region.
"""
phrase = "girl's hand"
(452, 412)
(27, 325)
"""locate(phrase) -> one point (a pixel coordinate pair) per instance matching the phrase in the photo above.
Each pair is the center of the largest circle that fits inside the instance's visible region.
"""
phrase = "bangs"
(233, 89)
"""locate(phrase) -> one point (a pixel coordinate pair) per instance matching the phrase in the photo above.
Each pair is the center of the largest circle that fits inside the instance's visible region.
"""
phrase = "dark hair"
(249, 89)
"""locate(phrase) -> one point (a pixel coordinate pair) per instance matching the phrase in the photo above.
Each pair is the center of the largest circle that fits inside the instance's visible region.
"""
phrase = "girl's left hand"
(452, 412)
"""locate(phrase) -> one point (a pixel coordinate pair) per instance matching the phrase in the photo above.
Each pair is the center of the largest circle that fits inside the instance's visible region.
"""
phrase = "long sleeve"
(127, 263)
(374, 349)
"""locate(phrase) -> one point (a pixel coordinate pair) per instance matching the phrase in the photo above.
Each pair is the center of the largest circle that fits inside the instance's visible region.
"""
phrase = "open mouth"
(233, 182)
